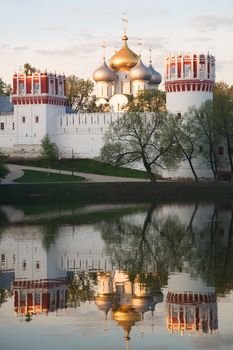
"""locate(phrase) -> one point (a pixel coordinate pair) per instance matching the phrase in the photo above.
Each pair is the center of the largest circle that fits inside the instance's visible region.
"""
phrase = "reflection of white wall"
(183, 282)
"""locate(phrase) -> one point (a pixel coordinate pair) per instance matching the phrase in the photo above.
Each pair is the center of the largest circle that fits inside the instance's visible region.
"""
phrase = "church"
(39, 103)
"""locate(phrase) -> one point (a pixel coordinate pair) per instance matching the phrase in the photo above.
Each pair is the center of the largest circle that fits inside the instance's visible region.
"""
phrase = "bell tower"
(38, 98)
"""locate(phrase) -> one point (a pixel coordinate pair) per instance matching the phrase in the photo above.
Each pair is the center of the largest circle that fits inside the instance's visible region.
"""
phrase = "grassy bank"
(31, 176)
(85, 166)
(115, 192)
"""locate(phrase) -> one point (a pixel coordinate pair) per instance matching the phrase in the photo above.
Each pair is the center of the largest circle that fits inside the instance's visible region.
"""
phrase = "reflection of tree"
(81, 289)
(156, 245)
(50, 233)
(3, 297)
(164, 244)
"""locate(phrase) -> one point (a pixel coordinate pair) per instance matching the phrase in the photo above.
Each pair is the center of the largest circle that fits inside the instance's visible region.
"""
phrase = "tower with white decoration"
(189, 81)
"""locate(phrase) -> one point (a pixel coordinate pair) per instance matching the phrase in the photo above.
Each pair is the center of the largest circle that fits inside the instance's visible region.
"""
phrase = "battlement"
(189, 73)
(38, 88)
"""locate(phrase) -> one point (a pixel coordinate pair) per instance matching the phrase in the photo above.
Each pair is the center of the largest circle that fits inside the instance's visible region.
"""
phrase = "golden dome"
(125, 58)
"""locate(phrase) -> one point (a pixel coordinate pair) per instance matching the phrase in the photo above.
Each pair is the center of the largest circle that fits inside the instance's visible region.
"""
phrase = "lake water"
(117, 277)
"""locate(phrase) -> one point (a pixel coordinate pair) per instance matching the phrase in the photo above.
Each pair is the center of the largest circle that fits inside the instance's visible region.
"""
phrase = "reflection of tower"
(40, 285)
(39, 296)
(191, 305)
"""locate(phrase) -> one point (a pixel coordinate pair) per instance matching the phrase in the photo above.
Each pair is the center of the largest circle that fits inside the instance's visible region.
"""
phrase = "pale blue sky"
(66, 35)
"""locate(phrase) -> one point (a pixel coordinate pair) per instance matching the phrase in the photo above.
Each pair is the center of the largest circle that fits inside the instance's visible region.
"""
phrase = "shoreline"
(123, 192)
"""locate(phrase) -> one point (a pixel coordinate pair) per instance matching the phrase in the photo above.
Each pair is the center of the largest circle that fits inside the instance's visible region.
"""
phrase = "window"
(37, 298)
(187, 70)
(173, 71)
(1, 126)
(37, 119)
(37, 265)
(23, 119)
(36, 88)
(21, 88)
(24, 265)
(179, 115)
(3, 258)
(13, 126)
(220, 151)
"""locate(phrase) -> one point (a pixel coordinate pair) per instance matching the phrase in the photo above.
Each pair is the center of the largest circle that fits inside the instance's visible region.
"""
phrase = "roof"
(6, 105)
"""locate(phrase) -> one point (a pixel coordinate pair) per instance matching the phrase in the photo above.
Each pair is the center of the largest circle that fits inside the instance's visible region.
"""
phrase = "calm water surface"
(117, 277)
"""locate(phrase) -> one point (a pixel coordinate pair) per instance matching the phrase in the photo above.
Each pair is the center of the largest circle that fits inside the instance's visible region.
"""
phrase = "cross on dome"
(103, 50)
(125, 22)
(140, 47)
(150, 53)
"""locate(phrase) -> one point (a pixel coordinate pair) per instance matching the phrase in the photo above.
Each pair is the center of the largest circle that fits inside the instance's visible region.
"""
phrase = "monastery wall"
(76, 135)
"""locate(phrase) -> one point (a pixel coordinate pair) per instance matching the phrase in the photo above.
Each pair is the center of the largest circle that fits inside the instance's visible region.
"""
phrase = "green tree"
(205, 126)
(49, 152)
(95, 107)
(147, 101)
(28, 69)
(5, 89)
(137, 138)
(223, 114)
(79, 92)
(185, 146)
(3, 167)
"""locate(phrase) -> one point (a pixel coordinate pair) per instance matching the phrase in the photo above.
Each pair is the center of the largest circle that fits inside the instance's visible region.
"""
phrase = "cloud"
(224, 64)
(213, 343)
(55, 28)
(198, 39)
(76, 50)
(211, 23)
(21, 48)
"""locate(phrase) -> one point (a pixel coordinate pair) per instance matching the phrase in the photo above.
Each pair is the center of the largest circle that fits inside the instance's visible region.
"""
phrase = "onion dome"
(125, 58)
(156, 77)
(104, 73)
(140, 72)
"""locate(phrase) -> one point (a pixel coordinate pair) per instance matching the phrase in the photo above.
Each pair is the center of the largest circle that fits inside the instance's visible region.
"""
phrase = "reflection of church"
(127, 299)
(191, 305)
(125, 75)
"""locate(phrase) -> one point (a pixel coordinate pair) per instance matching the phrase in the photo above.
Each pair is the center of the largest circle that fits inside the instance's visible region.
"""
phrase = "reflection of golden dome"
(126, 317)
(125, 58)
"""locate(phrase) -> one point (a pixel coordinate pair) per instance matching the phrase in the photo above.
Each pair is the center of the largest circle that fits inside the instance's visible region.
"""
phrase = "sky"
(65, 36)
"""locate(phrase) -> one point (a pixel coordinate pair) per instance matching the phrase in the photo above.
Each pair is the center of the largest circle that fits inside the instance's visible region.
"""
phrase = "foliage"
(205, 127)
(3, 166)
(49, 152)
(28, 69)
(5, 89)
(223, 115)
(78, 92)
(185, 146)
(137, 138)
(95, 107)
(147, 101)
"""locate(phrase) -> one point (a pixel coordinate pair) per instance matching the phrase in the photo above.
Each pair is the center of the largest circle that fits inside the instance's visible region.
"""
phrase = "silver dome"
(104, 73)
(140, 72)
(156, 77)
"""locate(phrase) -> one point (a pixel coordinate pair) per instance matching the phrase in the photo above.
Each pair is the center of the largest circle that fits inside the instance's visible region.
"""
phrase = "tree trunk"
(149, 170)
(230, 157)
(193, 170)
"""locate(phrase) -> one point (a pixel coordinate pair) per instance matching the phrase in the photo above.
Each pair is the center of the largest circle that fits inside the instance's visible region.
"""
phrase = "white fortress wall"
(81, 135)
